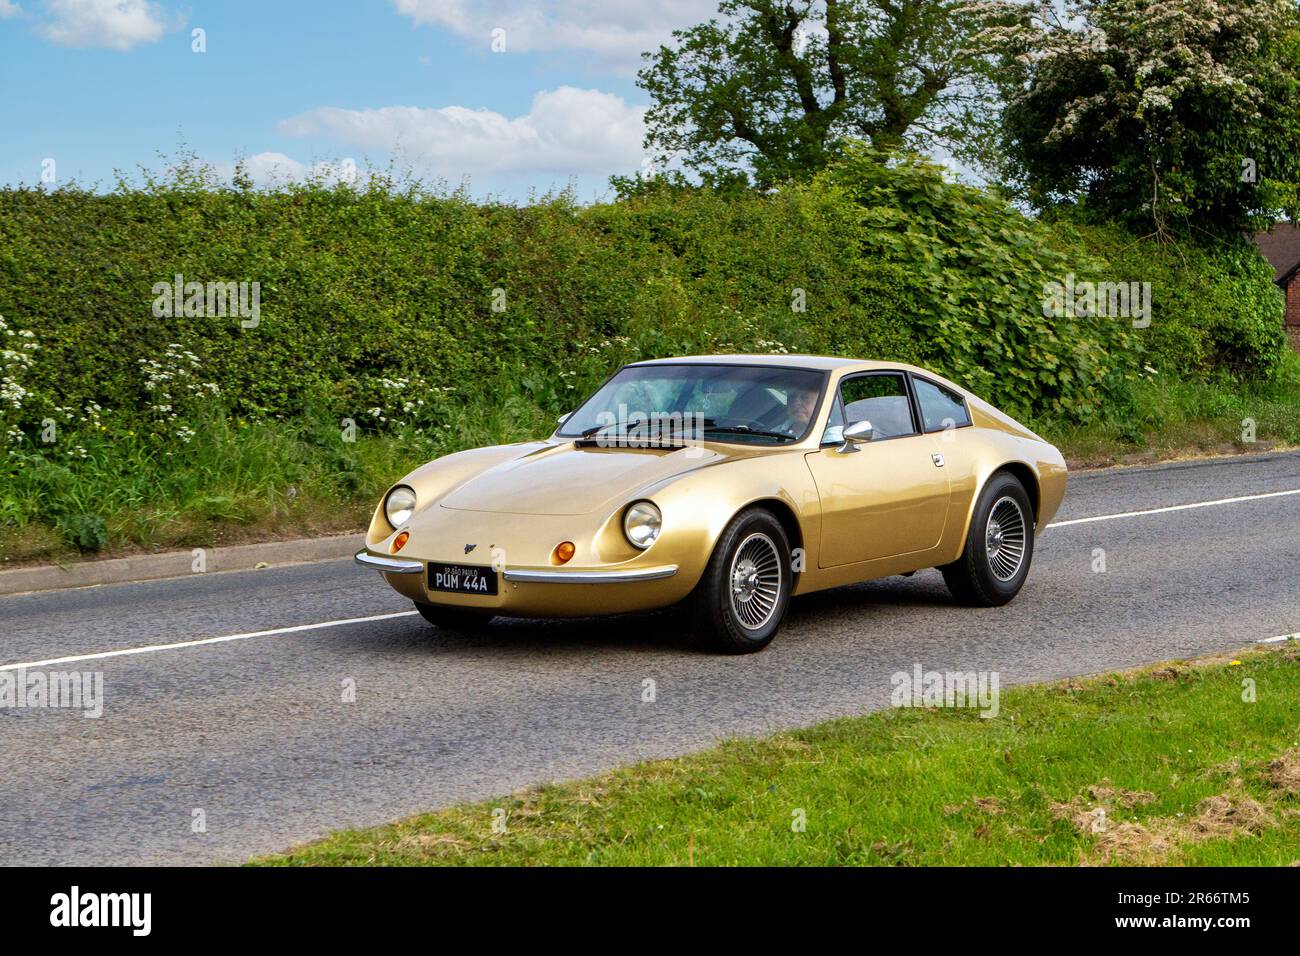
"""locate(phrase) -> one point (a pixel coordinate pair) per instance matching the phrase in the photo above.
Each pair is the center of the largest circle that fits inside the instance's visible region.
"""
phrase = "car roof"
(815, 362)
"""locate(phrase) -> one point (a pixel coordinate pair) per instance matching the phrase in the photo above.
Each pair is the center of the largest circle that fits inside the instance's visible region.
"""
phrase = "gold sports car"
(727, 483)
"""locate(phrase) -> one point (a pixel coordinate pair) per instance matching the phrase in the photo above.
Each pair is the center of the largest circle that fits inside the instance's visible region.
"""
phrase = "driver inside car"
(799, 405)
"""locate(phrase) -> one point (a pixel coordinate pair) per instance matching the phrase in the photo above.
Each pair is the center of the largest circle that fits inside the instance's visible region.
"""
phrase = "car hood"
(566, 480)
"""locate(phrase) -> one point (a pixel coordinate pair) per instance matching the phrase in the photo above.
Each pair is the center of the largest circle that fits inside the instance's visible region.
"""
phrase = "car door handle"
(937, 459)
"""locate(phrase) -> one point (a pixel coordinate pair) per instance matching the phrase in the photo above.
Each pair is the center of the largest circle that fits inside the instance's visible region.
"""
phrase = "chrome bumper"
(378, 562)
(591, 577)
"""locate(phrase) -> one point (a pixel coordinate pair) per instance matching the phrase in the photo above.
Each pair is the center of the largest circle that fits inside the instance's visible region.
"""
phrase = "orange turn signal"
(564, 551)
(400, 541)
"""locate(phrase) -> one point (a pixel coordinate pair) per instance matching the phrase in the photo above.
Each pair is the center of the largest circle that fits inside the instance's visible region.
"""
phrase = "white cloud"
(113, 24)
(567, 131)
(9, 9)
(616, 31)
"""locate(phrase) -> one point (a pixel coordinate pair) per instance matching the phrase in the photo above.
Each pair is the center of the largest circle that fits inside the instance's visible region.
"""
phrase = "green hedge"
(377, 303)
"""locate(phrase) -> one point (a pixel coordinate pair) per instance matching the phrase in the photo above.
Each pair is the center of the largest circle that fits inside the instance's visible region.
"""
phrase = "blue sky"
(99, 85)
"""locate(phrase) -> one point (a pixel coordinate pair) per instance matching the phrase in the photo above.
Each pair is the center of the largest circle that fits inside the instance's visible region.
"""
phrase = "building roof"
(1281, 248)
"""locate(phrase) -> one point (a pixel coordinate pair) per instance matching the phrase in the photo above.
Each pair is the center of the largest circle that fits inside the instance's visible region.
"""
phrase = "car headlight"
(641, 524)
(399, 505)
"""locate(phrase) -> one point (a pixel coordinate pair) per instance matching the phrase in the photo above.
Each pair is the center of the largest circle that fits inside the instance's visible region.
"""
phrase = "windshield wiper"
(596, 429)
(746, 430)
(683, 430)
(588, 434)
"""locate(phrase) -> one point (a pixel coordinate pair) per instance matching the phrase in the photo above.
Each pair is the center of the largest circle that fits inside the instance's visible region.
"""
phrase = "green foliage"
(87, 532)
(776, 88)
(1171, 415)
(377, 316)
(1215, 309)
(1171, 116)
(968, 276)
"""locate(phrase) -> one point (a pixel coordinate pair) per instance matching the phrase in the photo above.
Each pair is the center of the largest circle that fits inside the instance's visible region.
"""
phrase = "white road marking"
(1157, 511)
(1280, 639)
(73, 659)
(207, 640)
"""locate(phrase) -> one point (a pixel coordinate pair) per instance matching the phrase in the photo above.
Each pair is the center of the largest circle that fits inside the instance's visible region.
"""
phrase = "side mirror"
(563, 418)
(856, 433)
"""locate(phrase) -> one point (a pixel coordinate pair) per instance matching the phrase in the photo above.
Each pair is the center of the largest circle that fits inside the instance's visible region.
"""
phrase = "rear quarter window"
(940, 407)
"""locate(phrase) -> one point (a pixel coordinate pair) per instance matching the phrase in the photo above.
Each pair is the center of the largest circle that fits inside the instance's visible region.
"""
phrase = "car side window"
(881, 399)
(940, 407)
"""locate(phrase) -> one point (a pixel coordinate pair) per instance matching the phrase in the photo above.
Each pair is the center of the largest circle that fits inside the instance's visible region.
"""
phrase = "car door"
(886, 497)
(945, 415)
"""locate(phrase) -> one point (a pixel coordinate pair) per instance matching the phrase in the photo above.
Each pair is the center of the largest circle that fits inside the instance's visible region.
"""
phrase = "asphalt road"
(255, 732)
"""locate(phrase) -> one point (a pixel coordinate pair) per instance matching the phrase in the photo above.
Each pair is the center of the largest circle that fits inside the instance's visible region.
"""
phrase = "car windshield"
(731, 403)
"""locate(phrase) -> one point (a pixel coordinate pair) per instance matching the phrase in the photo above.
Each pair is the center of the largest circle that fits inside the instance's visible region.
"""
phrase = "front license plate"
(462, 578)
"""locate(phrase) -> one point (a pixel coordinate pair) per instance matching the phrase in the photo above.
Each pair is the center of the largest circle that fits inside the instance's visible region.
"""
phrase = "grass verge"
(1174, 419)
(1181, 764)
(111, 494)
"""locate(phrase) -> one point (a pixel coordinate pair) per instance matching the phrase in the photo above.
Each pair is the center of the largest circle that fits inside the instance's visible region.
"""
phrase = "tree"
(1174, 116)
(776, 87)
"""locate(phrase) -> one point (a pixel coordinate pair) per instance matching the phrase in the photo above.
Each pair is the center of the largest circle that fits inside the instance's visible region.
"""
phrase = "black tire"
(982, 576)
(453, 618)
(746, 624)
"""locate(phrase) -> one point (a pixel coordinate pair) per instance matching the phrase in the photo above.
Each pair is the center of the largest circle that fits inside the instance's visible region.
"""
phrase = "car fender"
(1005, 452)
(698, 506)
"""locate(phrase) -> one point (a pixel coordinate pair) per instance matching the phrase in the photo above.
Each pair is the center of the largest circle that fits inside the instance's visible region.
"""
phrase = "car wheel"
(999, 546)
(742, 596)
(453, 618)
